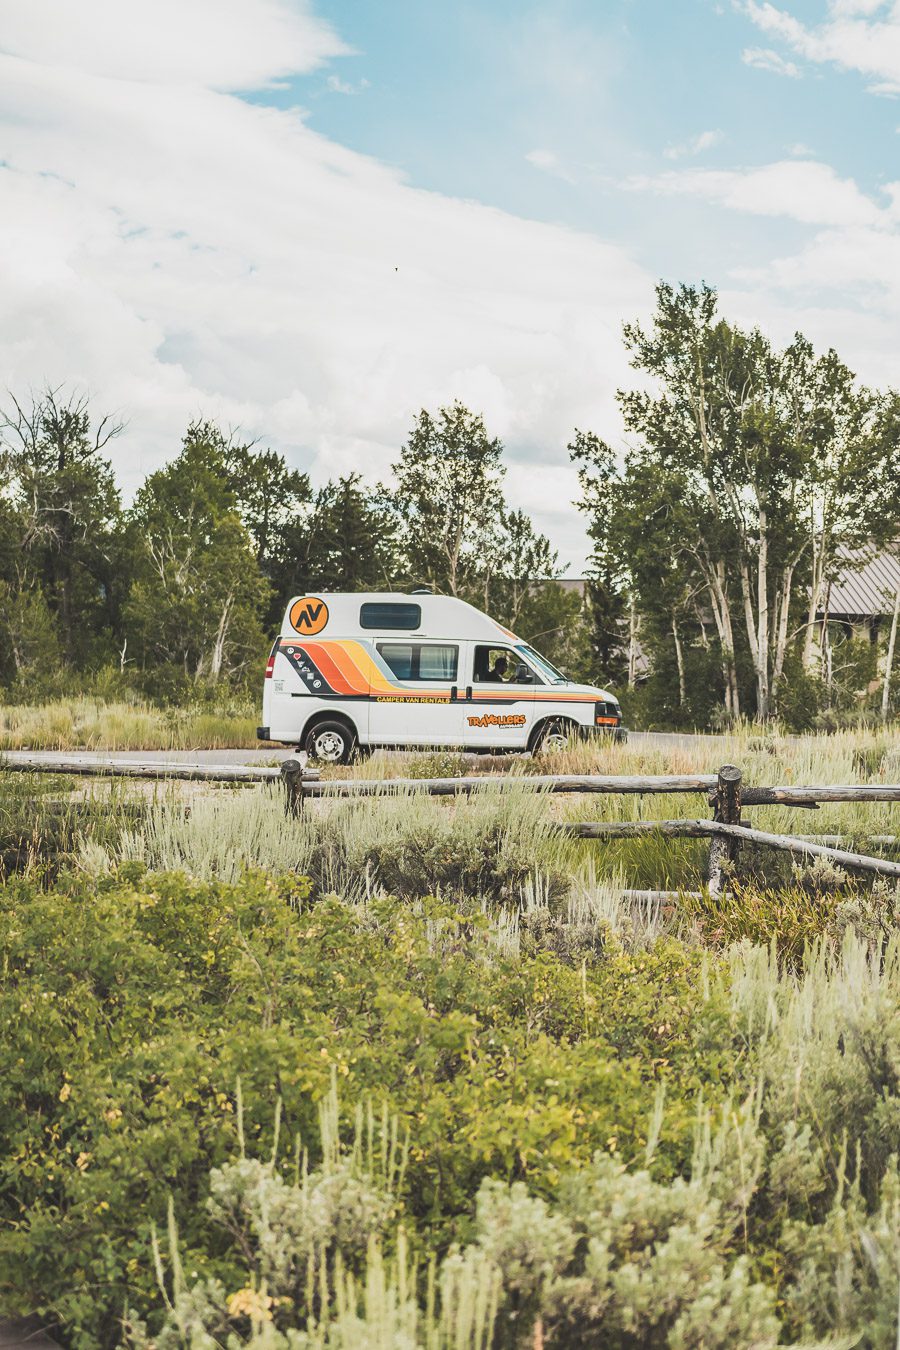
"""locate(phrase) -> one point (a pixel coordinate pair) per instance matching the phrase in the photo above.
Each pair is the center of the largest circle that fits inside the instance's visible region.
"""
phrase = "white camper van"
(420, 669)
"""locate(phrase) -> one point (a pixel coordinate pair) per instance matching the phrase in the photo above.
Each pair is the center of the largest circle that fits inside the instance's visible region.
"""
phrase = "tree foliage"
(751, 471)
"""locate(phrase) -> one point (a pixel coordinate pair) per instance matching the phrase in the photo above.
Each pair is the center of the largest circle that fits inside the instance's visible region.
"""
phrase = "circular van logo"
(309, 615)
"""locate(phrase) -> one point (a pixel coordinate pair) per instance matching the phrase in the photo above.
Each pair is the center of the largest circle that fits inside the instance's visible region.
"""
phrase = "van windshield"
(553, 675)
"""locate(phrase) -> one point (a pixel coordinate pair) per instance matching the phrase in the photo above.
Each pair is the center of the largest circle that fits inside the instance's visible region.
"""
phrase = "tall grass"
(43, 823)
(93, 724)
(402, 843)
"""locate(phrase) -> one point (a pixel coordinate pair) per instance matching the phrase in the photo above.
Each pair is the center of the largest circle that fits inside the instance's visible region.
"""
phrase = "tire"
(330, 742)
(555, 734)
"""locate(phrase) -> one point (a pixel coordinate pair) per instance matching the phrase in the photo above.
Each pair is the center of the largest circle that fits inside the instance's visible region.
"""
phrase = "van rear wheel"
(330, 742)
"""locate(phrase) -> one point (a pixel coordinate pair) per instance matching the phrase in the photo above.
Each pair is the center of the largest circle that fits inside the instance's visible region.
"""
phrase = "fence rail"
(16, 761)
(725, 791)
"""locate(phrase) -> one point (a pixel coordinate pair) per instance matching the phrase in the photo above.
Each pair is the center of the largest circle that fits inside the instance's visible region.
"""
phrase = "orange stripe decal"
(336, 676)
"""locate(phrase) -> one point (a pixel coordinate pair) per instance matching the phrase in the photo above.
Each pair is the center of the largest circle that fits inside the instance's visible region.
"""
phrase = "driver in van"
(500, 672)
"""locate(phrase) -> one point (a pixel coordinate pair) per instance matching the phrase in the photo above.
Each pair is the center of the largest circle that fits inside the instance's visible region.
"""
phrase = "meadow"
(408, 1072)
(86, 723)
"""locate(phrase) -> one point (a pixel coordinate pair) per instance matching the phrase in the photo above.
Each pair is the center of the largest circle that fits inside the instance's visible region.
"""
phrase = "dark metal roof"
(865, 586)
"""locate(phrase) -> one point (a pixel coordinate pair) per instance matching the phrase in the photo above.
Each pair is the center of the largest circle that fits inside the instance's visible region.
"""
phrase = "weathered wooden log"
(697, 829)
(632, 829)
(722, 848)
(811, 796)
(15, 761)
(575, 783)
(295, 774)
(792, 844)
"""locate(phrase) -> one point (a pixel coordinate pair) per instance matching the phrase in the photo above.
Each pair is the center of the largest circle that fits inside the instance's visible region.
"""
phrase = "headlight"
(607, 713)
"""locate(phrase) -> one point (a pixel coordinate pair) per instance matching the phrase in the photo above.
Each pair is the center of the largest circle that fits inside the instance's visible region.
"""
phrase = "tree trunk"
(762, 609)
(632, 644)
(815, 593)
(722, 614)
(759, 658)
(889, 660)
(825, 644)
(218, 651)
(781, 631)
(679, 657)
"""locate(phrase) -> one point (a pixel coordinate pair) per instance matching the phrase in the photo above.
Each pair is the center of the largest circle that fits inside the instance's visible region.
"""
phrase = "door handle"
(453, 693)
(468, 692)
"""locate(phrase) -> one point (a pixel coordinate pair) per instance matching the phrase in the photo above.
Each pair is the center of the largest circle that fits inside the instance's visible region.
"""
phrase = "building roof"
(865, 586)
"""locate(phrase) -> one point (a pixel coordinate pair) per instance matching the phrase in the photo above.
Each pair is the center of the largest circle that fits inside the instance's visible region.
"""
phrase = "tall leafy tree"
(62, 489)
(519, 562)
(199, 592)
(347, 540)
(766, 460)
(606, 600)
(268, 493)
(449, 498)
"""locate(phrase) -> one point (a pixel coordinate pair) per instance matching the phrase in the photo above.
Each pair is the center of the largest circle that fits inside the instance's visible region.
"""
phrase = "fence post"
(293, 774)
(726, 808)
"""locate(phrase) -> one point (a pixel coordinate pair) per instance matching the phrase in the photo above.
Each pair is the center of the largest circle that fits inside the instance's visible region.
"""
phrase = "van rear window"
(387, 614)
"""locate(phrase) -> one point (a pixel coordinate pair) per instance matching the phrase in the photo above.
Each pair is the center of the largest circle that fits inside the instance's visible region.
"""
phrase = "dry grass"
(766, 758)
(92, 724)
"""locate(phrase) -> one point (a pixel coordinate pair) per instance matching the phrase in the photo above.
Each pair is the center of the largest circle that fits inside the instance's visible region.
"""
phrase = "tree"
(269, 495)
(606, 598)
(199, 592)
(751, 470)
(448, 499)
(521, 561)
(62, 489)
(346, 541)
(640, 518)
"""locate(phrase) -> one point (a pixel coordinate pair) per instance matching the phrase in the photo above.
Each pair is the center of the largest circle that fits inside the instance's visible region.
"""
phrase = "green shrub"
(400, 843)
(130, 1008)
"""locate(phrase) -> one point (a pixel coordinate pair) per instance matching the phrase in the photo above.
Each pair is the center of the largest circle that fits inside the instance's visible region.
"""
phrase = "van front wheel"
(330, 742)
(555, 735)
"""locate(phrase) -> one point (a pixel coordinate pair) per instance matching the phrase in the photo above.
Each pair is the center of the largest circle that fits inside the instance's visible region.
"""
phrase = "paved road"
(275, 753)
(651, 740)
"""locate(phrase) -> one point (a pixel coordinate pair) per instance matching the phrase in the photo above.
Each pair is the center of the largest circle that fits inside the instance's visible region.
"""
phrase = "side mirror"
(524, 674)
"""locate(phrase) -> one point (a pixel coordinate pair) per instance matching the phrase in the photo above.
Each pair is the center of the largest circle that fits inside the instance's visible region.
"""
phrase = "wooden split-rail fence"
(727, 828)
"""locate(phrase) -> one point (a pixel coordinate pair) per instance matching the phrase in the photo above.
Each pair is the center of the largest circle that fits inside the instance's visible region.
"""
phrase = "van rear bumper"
(262, 734)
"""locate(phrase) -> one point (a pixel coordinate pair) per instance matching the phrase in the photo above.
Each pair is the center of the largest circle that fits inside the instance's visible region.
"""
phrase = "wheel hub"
(329, 746)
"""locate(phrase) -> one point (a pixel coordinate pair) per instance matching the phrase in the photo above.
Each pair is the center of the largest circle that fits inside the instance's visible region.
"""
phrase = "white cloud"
(180, 252)
(840, 284)
(548, 162)
(224, 44)
(764, 58)
(801, 190)
(860, 35)
(695, 146)
(339, 86)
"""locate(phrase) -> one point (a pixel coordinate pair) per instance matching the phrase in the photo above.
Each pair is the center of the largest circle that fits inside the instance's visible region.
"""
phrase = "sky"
(310, 220)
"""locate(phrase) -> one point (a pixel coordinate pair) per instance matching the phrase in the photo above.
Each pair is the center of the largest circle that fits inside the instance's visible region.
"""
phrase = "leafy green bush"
(131, 1006)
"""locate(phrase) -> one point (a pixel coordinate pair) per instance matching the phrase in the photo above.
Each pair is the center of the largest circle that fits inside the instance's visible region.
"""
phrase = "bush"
(400, 843)
(130, 1008)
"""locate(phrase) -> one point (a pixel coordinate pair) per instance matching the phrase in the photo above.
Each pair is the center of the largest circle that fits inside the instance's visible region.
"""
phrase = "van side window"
(399, 656)
(500, 665)
(382, 614)
(437, 663)
(420, 661)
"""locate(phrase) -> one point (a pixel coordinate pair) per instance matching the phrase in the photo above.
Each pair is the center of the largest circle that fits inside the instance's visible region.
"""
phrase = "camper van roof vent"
(421, 590)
